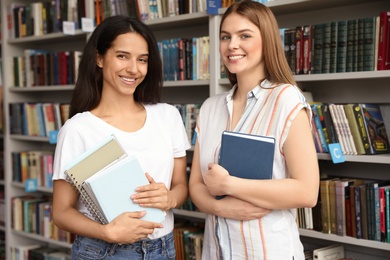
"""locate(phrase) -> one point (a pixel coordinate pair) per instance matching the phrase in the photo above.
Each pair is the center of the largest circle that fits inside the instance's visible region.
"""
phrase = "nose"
(131, 66)
(234, 43)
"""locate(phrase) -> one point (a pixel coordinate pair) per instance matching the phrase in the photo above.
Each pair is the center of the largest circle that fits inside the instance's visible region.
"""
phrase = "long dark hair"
(88, 89)
(276, 66)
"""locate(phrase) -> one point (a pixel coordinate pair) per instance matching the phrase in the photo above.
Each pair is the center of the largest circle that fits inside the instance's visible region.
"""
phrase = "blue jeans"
(157, 249)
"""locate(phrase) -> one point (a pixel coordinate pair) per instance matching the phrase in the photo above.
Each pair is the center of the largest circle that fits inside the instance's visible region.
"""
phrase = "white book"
(329, 253)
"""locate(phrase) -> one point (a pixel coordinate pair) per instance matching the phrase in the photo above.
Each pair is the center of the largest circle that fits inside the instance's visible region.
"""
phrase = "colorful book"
(375, 128)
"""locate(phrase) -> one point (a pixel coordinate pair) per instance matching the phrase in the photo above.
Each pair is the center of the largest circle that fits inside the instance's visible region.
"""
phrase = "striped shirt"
(270, 111)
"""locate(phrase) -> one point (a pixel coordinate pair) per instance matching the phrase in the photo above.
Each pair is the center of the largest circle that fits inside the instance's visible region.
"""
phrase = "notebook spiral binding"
(87, 201)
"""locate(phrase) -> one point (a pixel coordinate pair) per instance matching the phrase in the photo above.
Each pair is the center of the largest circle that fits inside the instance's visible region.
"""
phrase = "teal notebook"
(111, 188)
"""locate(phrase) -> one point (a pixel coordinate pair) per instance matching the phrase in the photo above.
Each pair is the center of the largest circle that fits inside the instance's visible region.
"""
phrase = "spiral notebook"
(99, 159)
(111, 188)
(90, 162)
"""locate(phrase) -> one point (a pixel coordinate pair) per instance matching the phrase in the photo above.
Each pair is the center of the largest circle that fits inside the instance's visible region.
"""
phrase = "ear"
(99, 60)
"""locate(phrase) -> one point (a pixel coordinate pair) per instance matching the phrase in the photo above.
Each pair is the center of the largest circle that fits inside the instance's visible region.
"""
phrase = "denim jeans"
(157, 249)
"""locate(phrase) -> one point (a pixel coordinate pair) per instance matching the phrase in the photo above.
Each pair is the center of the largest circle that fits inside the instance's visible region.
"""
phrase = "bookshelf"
(368, 86)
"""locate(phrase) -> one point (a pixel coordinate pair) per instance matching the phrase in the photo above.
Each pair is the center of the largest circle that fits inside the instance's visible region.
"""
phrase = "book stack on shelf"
(45, 68)
(40, 18)
(185, 58)
(37, 118)
(357, 208)
(33, 164)
(188, 239)
(339, 46)
(359, 128)
(147, 10)
(189, 114)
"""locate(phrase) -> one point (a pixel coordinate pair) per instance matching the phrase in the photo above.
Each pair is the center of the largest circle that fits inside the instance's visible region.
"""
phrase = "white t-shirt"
(276, 235)
(156, 144)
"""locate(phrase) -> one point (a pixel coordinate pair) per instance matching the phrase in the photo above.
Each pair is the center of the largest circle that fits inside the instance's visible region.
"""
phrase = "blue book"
(247, 156)
(213, 6)
(111, 189)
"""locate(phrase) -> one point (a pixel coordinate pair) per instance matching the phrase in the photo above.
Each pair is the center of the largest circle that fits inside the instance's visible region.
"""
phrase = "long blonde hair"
(276, 66)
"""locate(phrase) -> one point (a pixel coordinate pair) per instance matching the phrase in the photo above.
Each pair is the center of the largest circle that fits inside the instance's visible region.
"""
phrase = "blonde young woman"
(256, 220)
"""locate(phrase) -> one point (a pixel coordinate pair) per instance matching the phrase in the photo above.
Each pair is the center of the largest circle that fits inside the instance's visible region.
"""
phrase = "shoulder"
(287, 93)
(213, 102)
(77, 122)
(161, 109)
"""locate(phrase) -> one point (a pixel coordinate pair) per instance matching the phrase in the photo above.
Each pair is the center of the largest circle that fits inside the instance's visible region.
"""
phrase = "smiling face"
(241, 46)
(125, 64)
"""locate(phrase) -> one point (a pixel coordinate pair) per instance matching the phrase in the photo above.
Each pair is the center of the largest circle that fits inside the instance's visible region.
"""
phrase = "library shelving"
(367, 86)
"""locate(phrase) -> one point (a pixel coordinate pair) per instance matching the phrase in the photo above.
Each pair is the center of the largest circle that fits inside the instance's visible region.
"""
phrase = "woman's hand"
(216, 179)
(128, 228)
(154, 195)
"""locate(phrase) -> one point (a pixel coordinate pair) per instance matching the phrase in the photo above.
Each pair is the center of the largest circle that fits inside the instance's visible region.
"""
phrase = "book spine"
(349, 63)
(325, 207)
(369, 44)
(360, 45)
(318, 48)
(362, 130)
(299, 50)
(342, 33)
(319, 129)
(382, 214)
(307, 48)
(327, 33)
(358, 215)
(384, 18)
(333, 47)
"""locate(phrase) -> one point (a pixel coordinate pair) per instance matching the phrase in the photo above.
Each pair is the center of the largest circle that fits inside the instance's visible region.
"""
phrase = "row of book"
(339, 46)
(189, 113)
(185, 58)
(358, 208)
(39, 18)
(214, 5)
(149, 10)
(33, 164)
(33, 214)
(359, 128)
(37, 119)
(37, 251)
(45, 68)
(188, 241)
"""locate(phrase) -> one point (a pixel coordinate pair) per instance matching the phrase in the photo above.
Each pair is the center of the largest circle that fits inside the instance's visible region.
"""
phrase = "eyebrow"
(240, 31)
(126, 52)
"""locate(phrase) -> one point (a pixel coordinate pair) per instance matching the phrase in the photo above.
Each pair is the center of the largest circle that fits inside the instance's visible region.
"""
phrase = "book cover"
(112, 187)
(213, 6)
(244, 164)
(375, 128)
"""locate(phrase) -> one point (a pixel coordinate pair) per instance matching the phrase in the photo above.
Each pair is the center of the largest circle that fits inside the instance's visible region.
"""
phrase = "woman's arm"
(228, 207)
(126, 228)
(299, 190)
